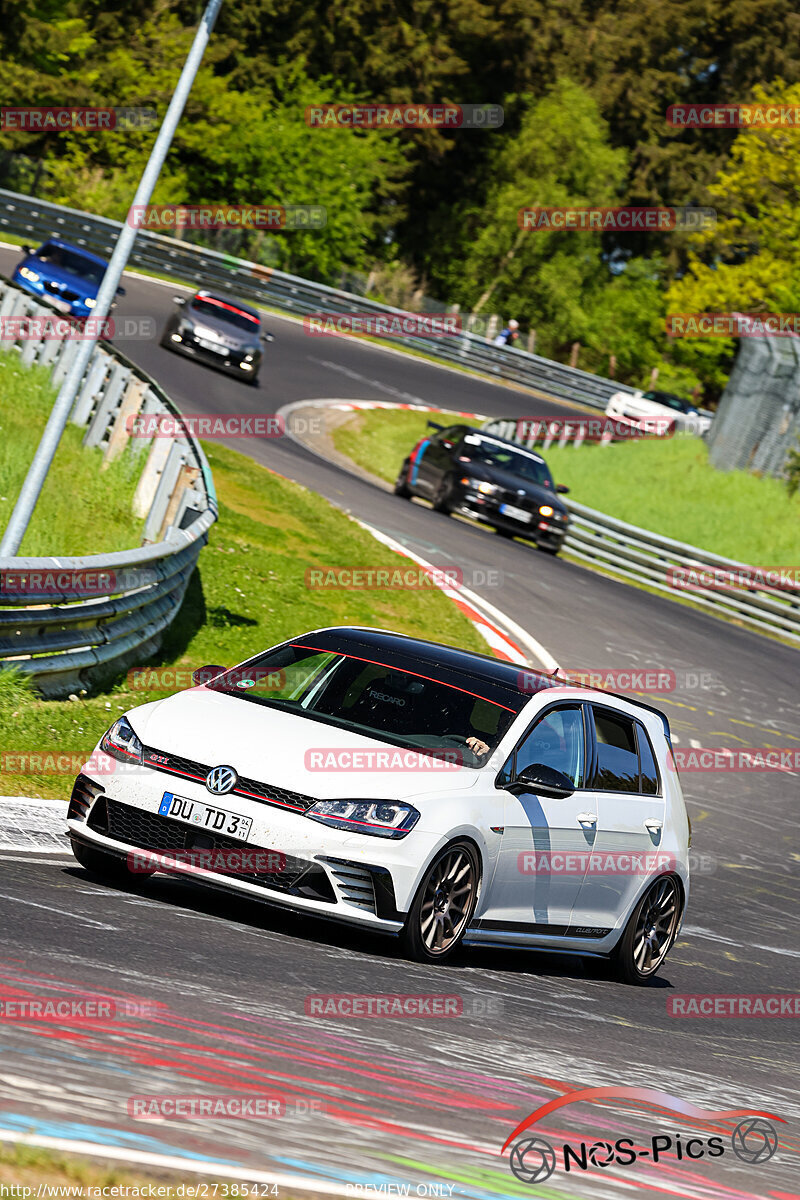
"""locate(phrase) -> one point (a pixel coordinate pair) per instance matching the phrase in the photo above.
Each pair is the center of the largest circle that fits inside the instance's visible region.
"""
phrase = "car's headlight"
(381, 818)
(484, 488)
(121, 742)
(546, 510)
(28, 274)
(89, 302)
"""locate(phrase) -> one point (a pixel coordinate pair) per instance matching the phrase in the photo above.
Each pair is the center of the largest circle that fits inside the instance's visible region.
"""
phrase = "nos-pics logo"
(533, 1159)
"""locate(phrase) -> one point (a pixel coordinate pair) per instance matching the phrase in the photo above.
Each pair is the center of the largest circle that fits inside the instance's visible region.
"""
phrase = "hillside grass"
(248, 593)
(83, 508)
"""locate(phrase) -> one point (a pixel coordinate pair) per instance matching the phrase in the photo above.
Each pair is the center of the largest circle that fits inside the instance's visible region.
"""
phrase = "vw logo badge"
(754, 1140)
(533, 1161)
(220, 780)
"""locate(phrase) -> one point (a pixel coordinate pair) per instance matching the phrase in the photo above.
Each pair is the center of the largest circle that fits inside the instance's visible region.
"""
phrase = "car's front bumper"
(549, 531)
(233, 361)
(335, 873)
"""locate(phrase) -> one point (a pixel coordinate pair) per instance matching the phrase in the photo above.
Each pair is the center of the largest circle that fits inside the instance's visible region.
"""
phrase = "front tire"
(444, 904)
(107, 866)
(650, 932)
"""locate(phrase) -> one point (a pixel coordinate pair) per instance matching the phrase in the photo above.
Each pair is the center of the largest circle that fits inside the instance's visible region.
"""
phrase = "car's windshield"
(495, 455)
(72, 261)
(669, 401)
(226, 312)
(374, 699)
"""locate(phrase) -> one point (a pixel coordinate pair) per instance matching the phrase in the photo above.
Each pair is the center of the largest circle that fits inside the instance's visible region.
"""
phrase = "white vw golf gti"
(408, 787)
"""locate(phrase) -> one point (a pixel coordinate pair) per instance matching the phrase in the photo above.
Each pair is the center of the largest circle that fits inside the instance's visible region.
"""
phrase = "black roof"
(504, 683)
(501, 682)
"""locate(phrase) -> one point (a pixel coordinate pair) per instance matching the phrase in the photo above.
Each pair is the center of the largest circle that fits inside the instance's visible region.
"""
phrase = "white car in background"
(408, 787)
(636, 405)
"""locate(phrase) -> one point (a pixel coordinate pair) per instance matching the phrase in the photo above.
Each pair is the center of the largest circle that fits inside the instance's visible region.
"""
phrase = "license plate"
(517, 514)
(61, 305)
(204, 816)
(211, 346)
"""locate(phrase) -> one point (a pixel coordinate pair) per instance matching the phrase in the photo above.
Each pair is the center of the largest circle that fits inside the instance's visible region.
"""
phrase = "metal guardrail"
(706, 579)
(651, 559)
(27, 217)
(72, 621)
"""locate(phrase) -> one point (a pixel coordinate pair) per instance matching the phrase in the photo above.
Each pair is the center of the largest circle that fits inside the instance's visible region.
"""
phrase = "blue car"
(66, 275)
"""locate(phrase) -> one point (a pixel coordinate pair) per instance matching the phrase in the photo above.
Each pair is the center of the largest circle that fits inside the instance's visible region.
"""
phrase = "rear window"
(375, 699)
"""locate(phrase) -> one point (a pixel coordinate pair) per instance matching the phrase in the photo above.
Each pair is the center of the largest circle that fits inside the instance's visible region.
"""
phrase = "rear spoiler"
(434, 425)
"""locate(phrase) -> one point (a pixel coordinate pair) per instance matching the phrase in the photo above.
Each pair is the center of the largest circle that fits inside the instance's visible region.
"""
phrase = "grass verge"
(248, 593)
(667, 486)
(103, 521)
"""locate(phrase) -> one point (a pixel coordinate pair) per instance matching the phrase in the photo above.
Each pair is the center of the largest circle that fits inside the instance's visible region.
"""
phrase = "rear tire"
(551, 550)
(107, 866)
(505, 533)
(401, 487)
(650, 932)
(444, 904)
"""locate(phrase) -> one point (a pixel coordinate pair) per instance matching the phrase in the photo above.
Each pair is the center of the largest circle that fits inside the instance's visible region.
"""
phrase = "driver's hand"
(477, 746)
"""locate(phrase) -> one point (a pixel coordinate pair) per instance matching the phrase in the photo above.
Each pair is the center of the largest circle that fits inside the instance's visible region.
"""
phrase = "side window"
(617, 756)
(647, 762)
(556, 740)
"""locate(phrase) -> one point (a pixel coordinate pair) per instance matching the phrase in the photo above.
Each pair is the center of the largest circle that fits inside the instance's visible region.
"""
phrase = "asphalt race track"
(431, 1100)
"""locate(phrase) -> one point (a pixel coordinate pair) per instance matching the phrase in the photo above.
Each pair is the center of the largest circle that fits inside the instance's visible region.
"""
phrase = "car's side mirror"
(266, 337)
(120, 291)
(562, 487)
(206, 674)
(27, 249)
(179, 300)
(547, 781)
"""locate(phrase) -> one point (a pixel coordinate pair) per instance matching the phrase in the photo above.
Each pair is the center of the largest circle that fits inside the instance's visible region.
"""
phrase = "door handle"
(653, 824)
(587, 818)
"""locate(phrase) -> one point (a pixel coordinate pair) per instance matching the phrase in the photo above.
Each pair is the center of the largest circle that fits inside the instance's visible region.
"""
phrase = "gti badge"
(220, 780)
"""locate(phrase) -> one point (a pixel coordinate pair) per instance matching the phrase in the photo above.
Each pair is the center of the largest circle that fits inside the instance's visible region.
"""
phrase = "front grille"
(188, 768)
(150, 831)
